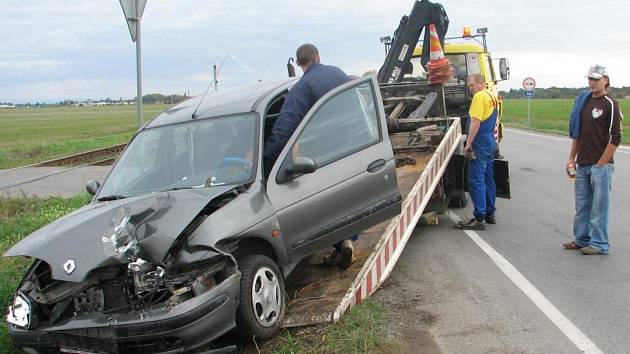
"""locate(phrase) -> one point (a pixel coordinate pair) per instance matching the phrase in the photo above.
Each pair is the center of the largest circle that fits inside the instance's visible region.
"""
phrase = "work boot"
(332, 258)
(571, 246)
(473, 224)
(346, 258)
(491, 219)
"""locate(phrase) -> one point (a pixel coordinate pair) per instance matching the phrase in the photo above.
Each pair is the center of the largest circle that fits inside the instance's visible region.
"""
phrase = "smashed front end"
(125, 295)
(119, 309)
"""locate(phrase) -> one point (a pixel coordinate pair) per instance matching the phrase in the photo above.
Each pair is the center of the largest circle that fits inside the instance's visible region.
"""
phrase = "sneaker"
(590, 251)
(346, 258)
(473, 224)
(491, 219)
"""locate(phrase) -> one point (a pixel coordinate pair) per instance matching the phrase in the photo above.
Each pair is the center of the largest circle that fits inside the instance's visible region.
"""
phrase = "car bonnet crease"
(104, 234)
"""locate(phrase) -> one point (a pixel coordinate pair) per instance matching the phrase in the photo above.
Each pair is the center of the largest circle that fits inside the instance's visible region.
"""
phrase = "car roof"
(218, 103)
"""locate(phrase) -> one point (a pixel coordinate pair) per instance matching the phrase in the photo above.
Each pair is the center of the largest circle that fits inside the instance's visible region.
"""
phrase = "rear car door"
(354, 185)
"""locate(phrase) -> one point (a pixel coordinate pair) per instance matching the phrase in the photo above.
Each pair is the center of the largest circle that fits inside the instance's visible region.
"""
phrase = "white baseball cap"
(597, 71)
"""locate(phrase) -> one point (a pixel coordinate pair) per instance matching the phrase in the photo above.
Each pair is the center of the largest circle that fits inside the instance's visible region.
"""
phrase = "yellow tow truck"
(467, 56)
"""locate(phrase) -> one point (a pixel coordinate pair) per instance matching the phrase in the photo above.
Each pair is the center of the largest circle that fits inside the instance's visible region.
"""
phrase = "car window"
(346, 123)
(195, 154)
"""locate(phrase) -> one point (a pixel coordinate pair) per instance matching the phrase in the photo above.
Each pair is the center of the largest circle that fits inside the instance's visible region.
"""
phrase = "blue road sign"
(528, 94)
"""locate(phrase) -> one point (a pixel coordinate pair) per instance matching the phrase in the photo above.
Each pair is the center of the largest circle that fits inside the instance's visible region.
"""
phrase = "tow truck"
(426, 124)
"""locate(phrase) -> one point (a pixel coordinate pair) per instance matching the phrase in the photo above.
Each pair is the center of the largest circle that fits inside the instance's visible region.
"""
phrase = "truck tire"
(262, 299)
(458, 200)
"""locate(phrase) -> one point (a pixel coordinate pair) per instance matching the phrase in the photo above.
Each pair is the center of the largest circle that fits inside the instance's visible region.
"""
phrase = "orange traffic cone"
(439, 67)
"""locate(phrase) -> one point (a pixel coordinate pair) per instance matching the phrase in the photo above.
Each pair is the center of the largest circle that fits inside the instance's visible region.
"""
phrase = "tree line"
(564, 92)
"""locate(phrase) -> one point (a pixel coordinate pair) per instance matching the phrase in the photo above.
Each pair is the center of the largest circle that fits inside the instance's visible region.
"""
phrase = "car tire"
(458, 200)
(262, 299)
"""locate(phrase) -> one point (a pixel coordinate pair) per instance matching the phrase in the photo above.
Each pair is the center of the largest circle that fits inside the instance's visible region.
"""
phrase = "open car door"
(336, 176)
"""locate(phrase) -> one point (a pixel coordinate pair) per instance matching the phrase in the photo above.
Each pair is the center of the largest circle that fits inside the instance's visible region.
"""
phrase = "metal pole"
(443, 100)
(214, 71)
(528, 118)
(139, 69)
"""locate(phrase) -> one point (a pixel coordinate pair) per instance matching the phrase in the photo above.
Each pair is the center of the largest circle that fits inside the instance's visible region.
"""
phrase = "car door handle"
(376, 165)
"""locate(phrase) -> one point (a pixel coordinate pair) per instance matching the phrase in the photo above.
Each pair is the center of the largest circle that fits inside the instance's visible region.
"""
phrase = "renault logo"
(69, 266)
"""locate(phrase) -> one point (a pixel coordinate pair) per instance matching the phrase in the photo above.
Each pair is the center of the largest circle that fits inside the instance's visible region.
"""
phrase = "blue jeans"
(593, 185)
(481, 185)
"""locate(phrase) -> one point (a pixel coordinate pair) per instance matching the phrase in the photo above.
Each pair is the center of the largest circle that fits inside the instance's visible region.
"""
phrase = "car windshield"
(196, 154)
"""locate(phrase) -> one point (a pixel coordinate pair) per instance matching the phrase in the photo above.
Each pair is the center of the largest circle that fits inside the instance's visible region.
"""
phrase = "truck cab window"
(417, 71)
(472, 60)
(460, 70)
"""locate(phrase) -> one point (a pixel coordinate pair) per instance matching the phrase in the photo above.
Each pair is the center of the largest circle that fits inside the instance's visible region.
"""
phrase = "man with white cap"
(595, 130)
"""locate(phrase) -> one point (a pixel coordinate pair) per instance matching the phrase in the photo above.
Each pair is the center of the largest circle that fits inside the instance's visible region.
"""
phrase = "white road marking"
(621, 149)
(581, 341)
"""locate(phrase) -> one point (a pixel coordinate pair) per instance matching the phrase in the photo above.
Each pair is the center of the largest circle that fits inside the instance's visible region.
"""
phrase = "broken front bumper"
(182, 327)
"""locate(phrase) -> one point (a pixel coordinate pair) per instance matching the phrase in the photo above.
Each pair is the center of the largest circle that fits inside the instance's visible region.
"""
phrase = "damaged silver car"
(187, 239)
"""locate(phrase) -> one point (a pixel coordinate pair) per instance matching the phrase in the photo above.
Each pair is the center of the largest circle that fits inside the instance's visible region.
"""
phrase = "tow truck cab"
(466, 59)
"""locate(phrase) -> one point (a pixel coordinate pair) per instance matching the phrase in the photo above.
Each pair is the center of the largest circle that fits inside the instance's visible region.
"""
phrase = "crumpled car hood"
(104, 234)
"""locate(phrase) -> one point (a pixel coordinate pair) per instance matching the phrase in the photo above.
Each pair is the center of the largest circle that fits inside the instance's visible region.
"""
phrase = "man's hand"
(468, 149)
(570, 163)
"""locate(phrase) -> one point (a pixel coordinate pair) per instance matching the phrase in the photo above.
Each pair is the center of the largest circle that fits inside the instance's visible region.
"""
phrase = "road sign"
(529, 94)
(529, 84)
(133, 10)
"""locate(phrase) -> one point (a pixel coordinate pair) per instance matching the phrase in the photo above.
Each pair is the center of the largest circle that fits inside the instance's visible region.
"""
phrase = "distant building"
(2, 106)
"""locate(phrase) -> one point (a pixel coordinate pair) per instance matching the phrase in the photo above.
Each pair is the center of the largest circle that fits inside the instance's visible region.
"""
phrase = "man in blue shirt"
(317, 80)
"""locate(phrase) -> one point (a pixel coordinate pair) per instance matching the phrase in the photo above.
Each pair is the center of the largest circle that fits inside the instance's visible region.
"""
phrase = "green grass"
(359, 331)
(551, 115)
(18, 218)
(29, 135)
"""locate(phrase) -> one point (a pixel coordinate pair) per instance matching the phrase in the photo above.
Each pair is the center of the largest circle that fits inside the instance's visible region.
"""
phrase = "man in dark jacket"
(595, 129)
(317, 80)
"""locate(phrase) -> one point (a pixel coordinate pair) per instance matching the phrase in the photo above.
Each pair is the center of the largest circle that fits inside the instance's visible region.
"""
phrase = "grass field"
(30, 135)
(551, 115)
(18, 218)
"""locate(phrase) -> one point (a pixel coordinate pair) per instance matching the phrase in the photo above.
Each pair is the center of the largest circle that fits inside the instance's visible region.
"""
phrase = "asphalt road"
(447, 295)
(66, 184)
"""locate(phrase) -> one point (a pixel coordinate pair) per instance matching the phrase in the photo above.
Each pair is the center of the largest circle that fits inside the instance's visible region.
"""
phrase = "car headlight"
(20, 312)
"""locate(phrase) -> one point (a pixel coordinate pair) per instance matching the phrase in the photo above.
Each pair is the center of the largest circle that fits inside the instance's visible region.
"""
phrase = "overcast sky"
(70, 49)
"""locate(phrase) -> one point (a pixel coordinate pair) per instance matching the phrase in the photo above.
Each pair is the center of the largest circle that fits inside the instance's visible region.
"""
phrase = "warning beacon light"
(467, 32)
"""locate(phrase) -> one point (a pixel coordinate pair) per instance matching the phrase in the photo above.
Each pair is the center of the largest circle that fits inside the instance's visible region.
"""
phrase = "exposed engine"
(138, 286)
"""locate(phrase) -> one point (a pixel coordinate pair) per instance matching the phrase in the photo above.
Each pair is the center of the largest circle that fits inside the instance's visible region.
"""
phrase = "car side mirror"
(303, 165)
(92, 186)
(299, 166)
(504, 69)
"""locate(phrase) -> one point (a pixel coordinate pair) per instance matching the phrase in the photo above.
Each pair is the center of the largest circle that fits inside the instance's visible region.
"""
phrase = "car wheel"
(458, 200)
(263, 300)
